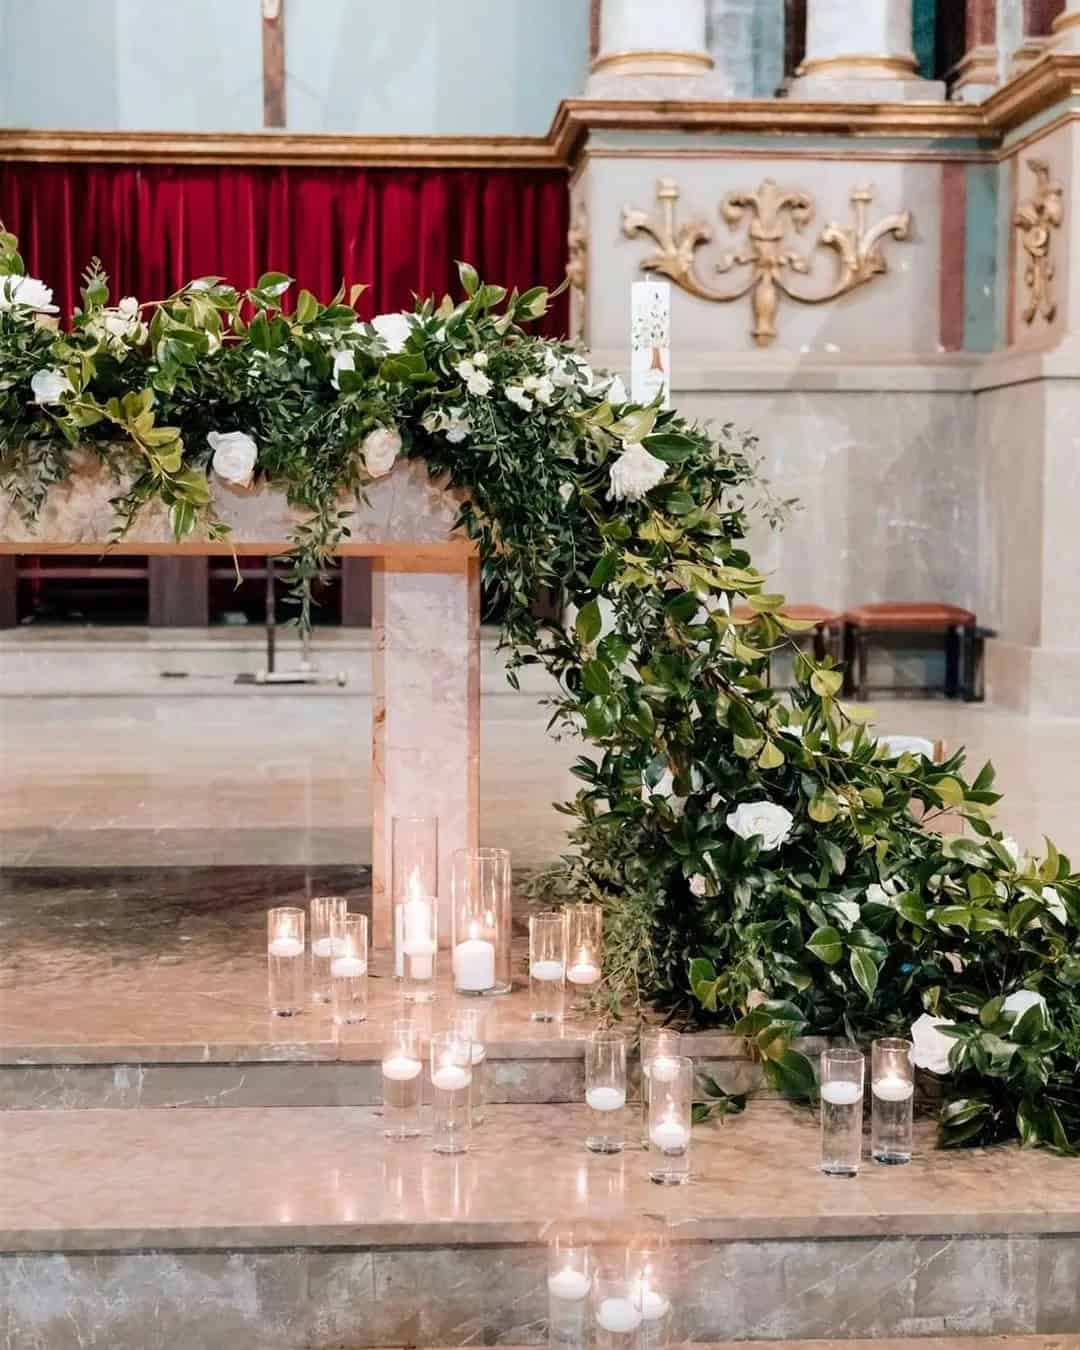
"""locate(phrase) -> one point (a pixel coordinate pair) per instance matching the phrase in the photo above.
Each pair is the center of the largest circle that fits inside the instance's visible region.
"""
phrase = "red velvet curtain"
(399, 230)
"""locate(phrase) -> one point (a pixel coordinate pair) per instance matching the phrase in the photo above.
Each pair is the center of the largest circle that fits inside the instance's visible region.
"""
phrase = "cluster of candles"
(892, 1091)
(456, 1060)
(667, 1100)
(564, 946)
(616, 1297)
(339, 959)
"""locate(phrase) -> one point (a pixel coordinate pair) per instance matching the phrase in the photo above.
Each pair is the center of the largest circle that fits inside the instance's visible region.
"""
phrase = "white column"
(860, 52)
(654, 49)
(426, 719)
(1066, 28)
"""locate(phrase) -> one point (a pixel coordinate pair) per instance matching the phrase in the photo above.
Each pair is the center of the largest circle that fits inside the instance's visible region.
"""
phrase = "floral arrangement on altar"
(762, 861)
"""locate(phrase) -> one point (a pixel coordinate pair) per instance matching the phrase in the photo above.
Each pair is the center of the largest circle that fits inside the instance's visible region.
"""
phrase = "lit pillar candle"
(418, 944)
(474, 963)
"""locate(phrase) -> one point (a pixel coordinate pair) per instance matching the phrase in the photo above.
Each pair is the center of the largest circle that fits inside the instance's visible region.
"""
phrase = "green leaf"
(306, 307)
(596, 677)
(273, 283)
(588, 623)
(826, 683)
(469, 278)
(865, 970)
(827, 944)
(604, 570)
(771, 756)
(792, 1074)
(670, 447)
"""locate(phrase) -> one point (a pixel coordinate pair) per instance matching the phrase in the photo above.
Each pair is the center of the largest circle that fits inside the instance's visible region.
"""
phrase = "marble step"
(268, 1229)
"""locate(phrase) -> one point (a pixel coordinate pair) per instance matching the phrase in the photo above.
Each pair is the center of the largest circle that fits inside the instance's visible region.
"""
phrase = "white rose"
(848, 912)
(767, 819)
(540, 387)
(394, 329)
(562, 376)
(617, 391)
(480, 360)
(380, 449)
(635, 473)
(343, 360)
(27, 293)
(235, 455)
(451, 421)
(49, 386)
(1011, 847)
(698, 885)
(476, 381)
(930, 1049)
(1054, 903)
(123, 320)
(566, 491)
(1023, 999)
(516, 394)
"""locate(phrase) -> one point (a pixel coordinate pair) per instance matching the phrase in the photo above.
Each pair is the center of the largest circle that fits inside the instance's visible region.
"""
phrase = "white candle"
(893, 1088)
(546, 970)
(328, 946)
(671, 1136)
(348, 967)
(286, 946)
(451, 1078)
(474, 965)
(420, 954)
(401, 1068)
(606, 1098)
(663, 1069)
(569, 1284)
(841, 1092)
(653, 1305)
(583, 972)
(618, 1315)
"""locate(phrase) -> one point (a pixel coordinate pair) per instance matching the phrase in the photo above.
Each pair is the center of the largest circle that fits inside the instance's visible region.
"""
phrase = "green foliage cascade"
(883, 894)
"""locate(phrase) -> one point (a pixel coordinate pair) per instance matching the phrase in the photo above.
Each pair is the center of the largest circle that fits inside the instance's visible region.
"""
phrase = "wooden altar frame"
(426, 631)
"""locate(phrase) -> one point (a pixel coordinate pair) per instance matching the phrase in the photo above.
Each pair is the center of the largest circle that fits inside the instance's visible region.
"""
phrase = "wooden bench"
(954, 626)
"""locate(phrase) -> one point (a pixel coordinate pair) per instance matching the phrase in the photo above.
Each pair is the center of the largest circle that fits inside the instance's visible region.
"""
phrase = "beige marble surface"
(107, 1180)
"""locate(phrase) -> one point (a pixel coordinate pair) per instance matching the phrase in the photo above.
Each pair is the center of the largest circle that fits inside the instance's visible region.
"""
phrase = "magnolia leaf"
(827, 944)
(588, 623)
(469, 278)
(826, 683)
(950, 791)
(865, 970)
(771, 757)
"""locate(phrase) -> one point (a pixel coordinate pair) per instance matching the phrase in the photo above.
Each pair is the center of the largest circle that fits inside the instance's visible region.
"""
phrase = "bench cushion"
(807, 613)
(909, 616)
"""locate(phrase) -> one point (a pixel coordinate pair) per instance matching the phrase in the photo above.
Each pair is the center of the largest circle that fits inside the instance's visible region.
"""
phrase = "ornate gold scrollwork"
(1036, 219)
(772, 211)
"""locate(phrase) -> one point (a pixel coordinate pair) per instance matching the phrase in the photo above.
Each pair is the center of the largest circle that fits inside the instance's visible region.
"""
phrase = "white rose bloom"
(930, 1049)
(848, 912)
(767, 819)
(394, 329)
(380, 448)
(27, 293)
(540, 387)
(49, 386)
(1054, 903)
(235, 456)
(480, 360)
(566, 491)
(516, 394)
(698, 885)
(451, 421)
(1023, 999)
(617, 391)
(476, 381)
(343, 360)
(123, 320)
(561, 374)
(1012, 848)
(635, 473)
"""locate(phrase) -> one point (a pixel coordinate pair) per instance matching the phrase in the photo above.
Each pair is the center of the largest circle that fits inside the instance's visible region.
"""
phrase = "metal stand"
(307, 673)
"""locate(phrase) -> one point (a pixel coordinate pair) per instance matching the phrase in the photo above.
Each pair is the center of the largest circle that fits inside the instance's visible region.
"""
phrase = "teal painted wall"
(924, 34)
(982, 276)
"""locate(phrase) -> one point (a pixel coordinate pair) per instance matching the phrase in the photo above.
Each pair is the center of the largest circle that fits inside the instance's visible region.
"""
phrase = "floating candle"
(569, 1284)
(400, 1068)
(474, 965)
(840, 1092)
(652, 1305)
(583, 972)
(451, 1078)
(618, 1315)
(663, 1069)
(670, 1136)
(327, 946)
(893, 1088)
(286, 946)
(606, 1098)
(546, 971)
(348, 967)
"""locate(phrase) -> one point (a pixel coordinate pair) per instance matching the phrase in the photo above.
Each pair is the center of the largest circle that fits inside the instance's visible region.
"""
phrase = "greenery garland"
(761, 860)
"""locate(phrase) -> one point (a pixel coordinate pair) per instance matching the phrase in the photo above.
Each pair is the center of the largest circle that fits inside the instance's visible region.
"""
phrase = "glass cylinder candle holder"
(569, 1282)
(402, 1082)
(584, 945)
(349, 969)
(471, 1025)
(842, 1072)
(617, 1314)
(660, 1046)
(605, 1091)
(547, 965)
(481, 897)
(892, 1100)
(326, 917)
(671, 1105)
(414, 887)
(653, 1296)
(451, 1081)
(285, 960)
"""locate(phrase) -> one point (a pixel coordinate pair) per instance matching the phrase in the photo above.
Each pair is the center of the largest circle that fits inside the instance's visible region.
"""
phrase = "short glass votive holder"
(605, 1091)
(414, 887)
(285, 960)
(617, 1316)
(349, 970)
(657, 1044)
(842, 1074)
(892, 1100)
(654, 1296)
(584, 945)
(480, 886)
(471, 1025)
(326, 916)
(451, 1081)
(671, 1107)
(569, 1283)
(547, 965)
(402, 1080)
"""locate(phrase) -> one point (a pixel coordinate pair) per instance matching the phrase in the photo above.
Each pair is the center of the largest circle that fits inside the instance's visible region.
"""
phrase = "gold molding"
(1064, 21)
(1035, 220)
(676, 62)
(899, 66)
(769, 214)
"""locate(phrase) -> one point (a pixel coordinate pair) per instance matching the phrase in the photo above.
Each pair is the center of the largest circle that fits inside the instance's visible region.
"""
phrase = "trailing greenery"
(761, 860)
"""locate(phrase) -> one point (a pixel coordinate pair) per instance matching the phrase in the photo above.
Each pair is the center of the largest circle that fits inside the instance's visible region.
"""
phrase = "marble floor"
(280, 778)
